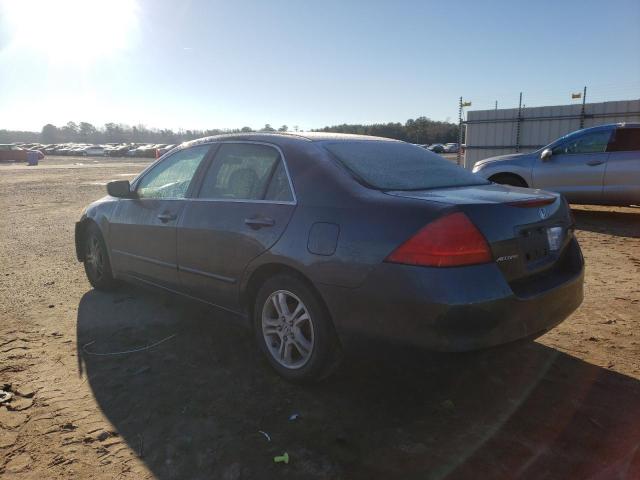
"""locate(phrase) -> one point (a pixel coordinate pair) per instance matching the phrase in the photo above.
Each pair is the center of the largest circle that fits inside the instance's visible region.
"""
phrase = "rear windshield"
(400, 166)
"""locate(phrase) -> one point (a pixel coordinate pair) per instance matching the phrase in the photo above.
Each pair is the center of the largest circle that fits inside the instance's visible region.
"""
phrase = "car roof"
(611, 125)
(287, 136)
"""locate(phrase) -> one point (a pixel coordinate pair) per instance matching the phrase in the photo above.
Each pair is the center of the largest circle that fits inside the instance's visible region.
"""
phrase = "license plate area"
(534, 244)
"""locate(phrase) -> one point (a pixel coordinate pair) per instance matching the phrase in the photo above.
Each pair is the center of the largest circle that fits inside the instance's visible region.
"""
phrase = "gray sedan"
(313, 238)
(599, 165)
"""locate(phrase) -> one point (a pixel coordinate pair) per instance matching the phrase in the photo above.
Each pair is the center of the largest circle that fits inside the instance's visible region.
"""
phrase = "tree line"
(85, 132)
(420, 130)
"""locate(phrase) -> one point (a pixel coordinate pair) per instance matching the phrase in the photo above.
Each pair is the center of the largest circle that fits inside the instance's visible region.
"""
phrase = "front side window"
(171, 177)
(244, 171)
(593, 142)
(625, 140)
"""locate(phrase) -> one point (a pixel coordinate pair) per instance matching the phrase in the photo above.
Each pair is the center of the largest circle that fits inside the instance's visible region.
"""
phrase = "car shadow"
(194, 406)
(621, 223)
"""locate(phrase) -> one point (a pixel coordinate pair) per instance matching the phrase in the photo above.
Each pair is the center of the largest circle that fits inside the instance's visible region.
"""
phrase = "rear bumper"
(457, 309)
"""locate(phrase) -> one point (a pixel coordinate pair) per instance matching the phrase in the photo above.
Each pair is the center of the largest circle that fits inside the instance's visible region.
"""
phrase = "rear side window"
(279, 189)
(625, 140)
(244, 171)
(399, 166)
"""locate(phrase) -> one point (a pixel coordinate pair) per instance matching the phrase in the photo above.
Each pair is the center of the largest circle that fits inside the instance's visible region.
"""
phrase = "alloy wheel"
(94, 257)
(287, 329)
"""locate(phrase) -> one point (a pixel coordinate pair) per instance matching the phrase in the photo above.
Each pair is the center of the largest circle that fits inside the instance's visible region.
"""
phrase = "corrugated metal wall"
(494, 132)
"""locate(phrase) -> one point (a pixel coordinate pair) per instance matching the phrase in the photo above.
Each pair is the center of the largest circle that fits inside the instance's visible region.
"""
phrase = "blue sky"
(213, 64)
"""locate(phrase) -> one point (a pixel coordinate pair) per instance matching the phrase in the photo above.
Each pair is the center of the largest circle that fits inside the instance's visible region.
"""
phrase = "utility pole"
(584, 100)
(459, 155)
(461, 105)
(518, 124)
(496, 104)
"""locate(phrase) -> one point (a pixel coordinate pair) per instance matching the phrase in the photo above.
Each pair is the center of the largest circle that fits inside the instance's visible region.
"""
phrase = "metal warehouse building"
(500, 132)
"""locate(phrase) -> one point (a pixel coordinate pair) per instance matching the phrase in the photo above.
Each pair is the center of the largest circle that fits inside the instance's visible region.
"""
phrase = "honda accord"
(314, 238)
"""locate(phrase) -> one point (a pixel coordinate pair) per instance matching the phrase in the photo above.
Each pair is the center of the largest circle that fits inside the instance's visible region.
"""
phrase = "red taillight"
(449, 241)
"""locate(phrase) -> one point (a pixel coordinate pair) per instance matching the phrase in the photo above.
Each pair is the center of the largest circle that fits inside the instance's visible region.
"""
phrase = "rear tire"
(96, 260)
(294, 330)
(509, 179)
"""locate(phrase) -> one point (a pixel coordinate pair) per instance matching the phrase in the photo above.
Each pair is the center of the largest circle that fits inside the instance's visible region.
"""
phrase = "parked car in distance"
(14, 153)
(451, 148)
(148, 150)
(50, 149)
(256, 224)
(94, 150)
(162, 150)
(132, 151)
(120, 150)
(436, 148)
(64, 150)
(598, 165)
(77, 150)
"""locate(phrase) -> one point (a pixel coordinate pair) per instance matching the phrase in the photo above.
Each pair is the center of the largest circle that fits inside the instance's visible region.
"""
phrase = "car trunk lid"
(526, 229)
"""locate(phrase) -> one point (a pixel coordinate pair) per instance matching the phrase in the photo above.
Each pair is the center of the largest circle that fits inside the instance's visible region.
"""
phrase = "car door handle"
(259, 222)
(166, 217)
(593, 163)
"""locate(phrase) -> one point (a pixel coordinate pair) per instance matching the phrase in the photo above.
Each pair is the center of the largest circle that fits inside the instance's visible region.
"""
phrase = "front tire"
(96, 260)
(294, 330)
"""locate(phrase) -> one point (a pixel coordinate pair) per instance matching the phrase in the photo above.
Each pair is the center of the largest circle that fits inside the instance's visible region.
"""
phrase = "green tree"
(86, 131)
(268, 128)
(49, 133)
(421, 130)
(70, 132)
(283, 128)
(112, 132)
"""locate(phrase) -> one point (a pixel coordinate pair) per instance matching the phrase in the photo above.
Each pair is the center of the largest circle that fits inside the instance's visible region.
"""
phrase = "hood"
(503, 158)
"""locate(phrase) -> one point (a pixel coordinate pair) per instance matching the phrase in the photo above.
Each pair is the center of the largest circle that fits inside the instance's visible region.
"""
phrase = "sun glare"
(70, 30)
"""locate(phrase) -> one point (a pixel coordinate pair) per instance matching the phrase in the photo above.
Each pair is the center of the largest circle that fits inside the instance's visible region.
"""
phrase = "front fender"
(98, 213)
(521, 169)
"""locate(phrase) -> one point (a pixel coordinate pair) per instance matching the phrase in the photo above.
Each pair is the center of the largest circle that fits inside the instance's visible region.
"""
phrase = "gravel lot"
(565, 406)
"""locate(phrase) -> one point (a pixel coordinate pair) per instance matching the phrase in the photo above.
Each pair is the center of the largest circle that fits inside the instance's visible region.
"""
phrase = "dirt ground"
(565, 406)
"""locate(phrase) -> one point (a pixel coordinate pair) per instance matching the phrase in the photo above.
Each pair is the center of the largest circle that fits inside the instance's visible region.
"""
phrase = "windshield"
(400, 166)
(565, 138)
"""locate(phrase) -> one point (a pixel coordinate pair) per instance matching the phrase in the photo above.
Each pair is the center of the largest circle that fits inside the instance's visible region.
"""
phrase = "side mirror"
(546, 154)
(120, 189)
